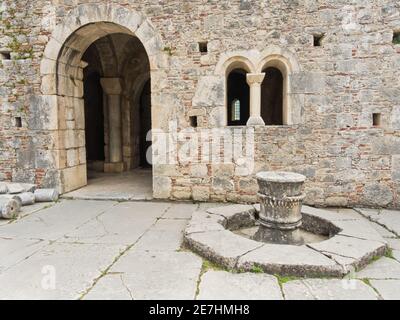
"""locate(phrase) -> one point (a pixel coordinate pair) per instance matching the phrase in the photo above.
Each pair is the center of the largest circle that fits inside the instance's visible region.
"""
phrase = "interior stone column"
(255, 80)
(112, 87)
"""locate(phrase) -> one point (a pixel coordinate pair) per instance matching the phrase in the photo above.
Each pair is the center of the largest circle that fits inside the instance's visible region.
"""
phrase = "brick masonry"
(340, 84)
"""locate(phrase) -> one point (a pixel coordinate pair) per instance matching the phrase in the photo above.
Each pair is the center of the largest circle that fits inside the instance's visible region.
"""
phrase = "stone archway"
(62, 70)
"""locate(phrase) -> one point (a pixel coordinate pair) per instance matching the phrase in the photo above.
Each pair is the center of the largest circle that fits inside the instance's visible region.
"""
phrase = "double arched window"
(272, 97)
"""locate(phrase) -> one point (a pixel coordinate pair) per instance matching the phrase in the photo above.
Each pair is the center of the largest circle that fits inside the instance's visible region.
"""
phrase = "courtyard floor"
(131, 185)
(87, 249)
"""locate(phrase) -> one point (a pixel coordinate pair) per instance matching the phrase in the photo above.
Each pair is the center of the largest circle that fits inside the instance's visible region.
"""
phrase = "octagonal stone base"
(352, 243)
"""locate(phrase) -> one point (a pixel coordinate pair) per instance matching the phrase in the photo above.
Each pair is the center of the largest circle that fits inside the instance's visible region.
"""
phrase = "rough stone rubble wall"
(354, 74)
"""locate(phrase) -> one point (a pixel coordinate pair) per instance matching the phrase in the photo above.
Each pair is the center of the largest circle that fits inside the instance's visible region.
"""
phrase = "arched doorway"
(114, 118)
(98, 89)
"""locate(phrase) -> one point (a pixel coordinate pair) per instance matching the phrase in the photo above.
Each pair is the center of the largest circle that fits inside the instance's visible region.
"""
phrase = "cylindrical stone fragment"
(15, 197)
(14, 188)
(46, 195)
(9, 208)
(3, 188)
(27, 198)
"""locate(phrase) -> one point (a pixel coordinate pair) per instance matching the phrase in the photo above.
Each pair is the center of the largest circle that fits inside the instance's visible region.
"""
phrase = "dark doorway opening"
(94, 117)
(238, 98)
(272, 97)
(145, 120)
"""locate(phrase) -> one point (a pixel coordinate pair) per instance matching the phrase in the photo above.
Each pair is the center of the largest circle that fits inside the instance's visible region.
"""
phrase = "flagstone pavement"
(87, 249)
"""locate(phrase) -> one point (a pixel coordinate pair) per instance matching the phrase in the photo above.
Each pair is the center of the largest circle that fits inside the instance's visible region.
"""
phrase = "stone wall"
(336, 89)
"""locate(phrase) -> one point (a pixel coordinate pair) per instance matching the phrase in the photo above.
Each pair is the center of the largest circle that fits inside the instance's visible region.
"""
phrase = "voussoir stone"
(289, 260)
(237, 215)
(222, 247)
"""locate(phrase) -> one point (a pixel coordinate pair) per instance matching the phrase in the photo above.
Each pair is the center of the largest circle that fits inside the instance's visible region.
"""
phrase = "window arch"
(272, 97)
(238, 98)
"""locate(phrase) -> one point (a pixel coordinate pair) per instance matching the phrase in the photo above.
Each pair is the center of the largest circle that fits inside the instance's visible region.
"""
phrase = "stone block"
(289, 260)
(310, 82)
(201, 193)
(221, 247)
(222, 184)
(73, 178)
(162, 187)
(210, 92)
(199, 170)
(377, 195)
(43, 113)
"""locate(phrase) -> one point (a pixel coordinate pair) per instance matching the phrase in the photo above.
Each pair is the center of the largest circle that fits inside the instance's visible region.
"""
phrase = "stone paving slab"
(346, 213)
(181, 211)
(13, 251)
(55, 222)
(328, 289)
(74, 266)
(384, 268)
(396, 254)
(350, 251)
(385, 233)
(124, 223)
(158, 275)
(390, 219)
(394, 243)
(203, 222)
(222, 285)
(165, 235)
(223, 247)
(359, 229)
(328, 215)
(289, 260)
(110, 287)
(388, 289)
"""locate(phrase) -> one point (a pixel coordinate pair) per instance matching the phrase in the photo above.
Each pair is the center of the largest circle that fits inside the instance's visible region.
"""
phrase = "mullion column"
(255, 81)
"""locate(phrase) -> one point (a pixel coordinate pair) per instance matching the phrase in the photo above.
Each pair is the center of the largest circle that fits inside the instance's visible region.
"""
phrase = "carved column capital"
(111, 86)
(255, 78)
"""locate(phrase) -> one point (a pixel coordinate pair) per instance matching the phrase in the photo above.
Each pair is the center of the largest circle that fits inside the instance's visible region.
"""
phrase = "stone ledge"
(353, 245)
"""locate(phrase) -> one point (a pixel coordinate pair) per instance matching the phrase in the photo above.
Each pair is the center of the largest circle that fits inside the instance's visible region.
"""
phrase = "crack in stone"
(368, 283)
(26, 257)
(377, 222)
(65, 236)
(242, 255)
(350, 236)
(309, 289)
(329, 257)
(126, 286)
(121, 254)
